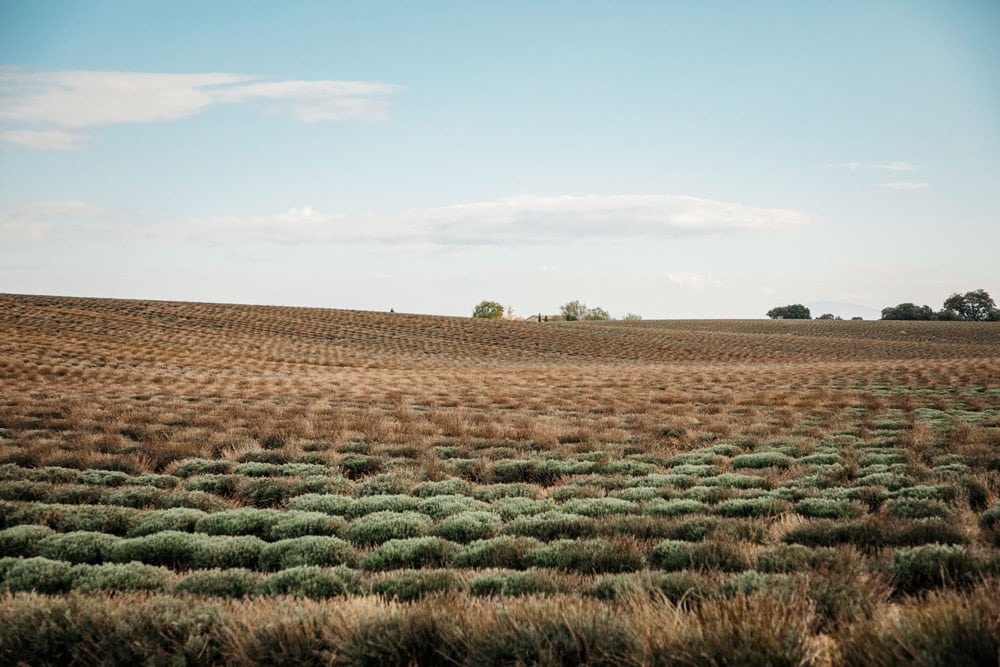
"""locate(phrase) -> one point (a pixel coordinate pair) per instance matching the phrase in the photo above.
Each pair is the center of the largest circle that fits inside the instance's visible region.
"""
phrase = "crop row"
(678, 569)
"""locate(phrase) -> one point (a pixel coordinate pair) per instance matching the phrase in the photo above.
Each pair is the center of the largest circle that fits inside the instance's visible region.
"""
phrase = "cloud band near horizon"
(520, 220)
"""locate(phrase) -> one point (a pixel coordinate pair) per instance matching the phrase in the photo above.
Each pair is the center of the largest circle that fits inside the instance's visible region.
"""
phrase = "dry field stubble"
(853, 467)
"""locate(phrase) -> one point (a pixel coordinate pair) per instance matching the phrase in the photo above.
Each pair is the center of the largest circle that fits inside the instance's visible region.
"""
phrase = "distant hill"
(844, 310)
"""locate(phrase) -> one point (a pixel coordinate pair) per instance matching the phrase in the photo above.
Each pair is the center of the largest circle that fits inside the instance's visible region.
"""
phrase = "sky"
(670, 159)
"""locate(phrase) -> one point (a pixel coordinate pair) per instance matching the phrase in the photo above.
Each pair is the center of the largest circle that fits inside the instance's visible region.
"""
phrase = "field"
(202, 483)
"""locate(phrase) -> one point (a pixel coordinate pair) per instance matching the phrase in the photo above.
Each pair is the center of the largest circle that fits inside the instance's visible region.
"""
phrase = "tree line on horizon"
(571, 311)
(975, 306)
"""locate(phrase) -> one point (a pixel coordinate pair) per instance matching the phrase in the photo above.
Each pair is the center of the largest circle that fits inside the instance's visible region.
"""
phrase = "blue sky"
(665, 158)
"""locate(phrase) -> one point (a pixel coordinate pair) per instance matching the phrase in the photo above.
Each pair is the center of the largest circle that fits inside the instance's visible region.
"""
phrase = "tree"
(573, 311)
(795, 311)
(829, 316)
(596, 314)
(632, 317)
(907, 311)
(488, 310)
(978, 305)
(577, 310)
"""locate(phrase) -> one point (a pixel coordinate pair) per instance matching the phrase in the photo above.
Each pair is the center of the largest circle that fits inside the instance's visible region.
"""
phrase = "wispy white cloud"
(693, 281)
(895, 165)
(42, 139)
(508, 221)
(904, 185)
(37, 106)
(850, 166)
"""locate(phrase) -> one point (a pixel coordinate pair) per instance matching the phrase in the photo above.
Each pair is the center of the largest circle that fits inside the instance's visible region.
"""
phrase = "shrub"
(382, 485)
(243, 521)
(102, 477)
(119, 577)
(761, 460)
(520, 470)
(181, 519)
(597, 507)
(414, 552)
(692, 530)
(303, 469)
(468, 526)
(680, 555)
(917, 508)
(934, 566)
(191, 467)
(990, 517)
(25, 491)
(439, 507)
(390, 503)
(925, 531)
(828, 508)
(787, 558)
(748, 507)
(37, 574)
(309, 550)
(256, 469)
(505, 551)
(448, 487)
(734, 480)
(101, 519)
(312, 582)
(513, 584)
(173, 549)
(228, 583)
(638, 494)
(77, 494)
(156, 481)
(709, 494)
(138, 497)
(220, 485)
(551, 526)
(82, 546)
(322, 502)
(684, 586)
(750, 582)
(53, 474)
(618, 586)
(380, 527)
(199, 500)
(677, 507)
(299, 524)
(356, 466)
(410, 585)
(266, 492)
(22, 540)
(494, 492)
(589, 556)
(228, 552)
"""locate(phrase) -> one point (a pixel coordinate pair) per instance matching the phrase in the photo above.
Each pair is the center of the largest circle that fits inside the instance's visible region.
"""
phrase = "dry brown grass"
(152, 382)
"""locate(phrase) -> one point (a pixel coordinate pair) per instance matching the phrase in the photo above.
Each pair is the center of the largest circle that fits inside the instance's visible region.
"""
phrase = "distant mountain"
(844, 310)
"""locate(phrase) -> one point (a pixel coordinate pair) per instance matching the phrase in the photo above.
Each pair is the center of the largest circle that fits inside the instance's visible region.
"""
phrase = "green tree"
(573, 311)
(795, 311)
(907, 311)
(978, 305)
(596, 314)
(577, 310)
(488, 310)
